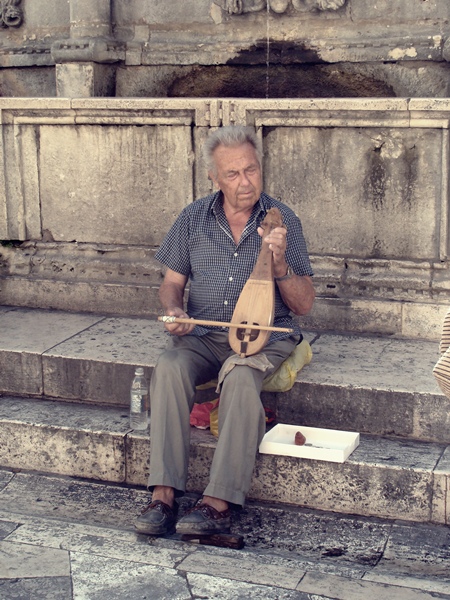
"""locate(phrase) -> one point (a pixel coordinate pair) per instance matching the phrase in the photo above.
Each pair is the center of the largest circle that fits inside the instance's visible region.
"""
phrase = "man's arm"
(171, 296)
(297, 293)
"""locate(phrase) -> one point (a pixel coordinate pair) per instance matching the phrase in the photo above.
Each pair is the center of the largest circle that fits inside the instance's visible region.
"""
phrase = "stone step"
(62, 537)
(370, 384)
(384, 477)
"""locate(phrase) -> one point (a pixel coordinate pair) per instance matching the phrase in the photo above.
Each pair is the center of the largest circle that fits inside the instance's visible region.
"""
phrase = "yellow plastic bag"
(284, 377)
(214, 421)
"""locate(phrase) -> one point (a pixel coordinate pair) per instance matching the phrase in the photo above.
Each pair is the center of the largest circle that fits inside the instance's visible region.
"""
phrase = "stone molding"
(10, 13)
(239, 7)
(192, 51)
(97, 50)
(335, 277)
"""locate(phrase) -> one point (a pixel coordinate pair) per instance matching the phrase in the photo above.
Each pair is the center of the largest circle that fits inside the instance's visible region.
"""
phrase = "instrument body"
(256, 302)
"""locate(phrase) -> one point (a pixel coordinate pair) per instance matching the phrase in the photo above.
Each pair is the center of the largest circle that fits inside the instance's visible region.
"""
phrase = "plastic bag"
(201, 414)
(284, 377)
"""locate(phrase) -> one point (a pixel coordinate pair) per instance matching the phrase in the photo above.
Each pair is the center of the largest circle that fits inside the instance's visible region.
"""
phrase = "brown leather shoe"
(203, 519)
(158, 518)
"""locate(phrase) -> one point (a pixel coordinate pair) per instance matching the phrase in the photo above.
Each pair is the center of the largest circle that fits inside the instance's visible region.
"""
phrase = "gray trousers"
(190, 361)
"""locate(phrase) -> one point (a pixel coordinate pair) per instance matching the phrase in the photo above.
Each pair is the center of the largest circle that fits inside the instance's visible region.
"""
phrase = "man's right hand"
(171, 294)
(178, 328)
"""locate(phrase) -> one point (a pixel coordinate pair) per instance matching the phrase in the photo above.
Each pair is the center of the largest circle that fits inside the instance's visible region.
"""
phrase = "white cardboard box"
(321, 444)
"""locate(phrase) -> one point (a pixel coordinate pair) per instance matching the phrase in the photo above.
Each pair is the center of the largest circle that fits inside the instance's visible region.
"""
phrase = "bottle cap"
(139, 371)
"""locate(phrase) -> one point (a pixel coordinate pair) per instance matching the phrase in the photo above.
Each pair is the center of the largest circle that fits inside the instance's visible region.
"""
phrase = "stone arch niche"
(295, 48)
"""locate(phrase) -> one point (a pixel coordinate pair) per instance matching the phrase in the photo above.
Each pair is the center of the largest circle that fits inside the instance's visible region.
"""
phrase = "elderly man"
(214, 245)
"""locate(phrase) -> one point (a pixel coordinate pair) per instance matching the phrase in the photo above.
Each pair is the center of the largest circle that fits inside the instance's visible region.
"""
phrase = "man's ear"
(213, 179)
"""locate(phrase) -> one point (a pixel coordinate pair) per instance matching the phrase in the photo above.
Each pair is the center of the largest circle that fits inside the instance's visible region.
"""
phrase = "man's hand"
(298, 291)
(171, 295)
(277, 243)
(178, 328)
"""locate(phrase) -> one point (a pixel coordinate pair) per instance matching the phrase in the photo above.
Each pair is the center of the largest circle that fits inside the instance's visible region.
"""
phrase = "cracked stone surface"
(66, 538)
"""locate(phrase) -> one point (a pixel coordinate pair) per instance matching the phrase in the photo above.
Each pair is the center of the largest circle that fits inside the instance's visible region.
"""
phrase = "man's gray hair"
(229, 136)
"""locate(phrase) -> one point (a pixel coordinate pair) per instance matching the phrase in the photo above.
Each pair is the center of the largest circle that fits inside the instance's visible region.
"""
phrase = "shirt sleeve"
(174, 250)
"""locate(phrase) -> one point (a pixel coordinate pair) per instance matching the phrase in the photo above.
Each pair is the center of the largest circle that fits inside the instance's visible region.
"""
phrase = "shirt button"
(226, 302)
(230, 279)
(235, 254)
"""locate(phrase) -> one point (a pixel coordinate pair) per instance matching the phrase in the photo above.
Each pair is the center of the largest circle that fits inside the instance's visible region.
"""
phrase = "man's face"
(238, 176)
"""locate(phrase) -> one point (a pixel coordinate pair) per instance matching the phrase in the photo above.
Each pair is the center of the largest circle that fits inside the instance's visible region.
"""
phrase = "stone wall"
(226, 48)
(89, 187)
(90, 183)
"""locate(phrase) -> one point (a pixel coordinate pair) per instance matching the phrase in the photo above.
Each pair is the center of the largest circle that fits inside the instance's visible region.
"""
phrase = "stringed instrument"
(256, 303)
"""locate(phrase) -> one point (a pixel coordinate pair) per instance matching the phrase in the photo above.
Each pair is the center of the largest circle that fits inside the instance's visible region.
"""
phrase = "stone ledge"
(111, 298)
(372, 384)
(380, 105)
(383, 477)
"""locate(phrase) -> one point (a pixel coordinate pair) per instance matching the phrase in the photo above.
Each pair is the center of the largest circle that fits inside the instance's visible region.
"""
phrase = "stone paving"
(63, 538)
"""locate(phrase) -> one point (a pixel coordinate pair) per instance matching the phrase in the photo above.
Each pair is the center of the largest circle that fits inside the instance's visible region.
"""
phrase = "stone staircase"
(64, 385)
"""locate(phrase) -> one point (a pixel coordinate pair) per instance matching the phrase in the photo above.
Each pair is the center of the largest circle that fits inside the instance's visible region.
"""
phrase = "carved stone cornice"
(10, 13)
(26, 56)
(99, 50)
(239, 7)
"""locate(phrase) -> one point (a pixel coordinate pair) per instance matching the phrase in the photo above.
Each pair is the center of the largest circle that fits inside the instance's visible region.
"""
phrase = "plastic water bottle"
(139, 402)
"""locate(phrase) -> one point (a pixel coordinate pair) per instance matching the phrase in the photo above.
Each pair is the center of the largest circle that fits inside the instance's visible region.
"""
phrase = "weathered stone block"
(23, 339)
(84, 79)
(91, 297)
(133, 194)
(399, 10)
(197, 11)
(377, 197)
(89, 367)
(365, 484)
(354, 315)
(21, 373)
(93, 449)
(137, 458)
(423, 320)
(409, 550)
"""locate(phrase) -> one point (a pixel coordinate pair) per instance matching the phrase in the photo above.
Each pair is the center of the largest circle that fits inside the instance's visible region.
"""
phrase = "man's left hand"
(277, 243)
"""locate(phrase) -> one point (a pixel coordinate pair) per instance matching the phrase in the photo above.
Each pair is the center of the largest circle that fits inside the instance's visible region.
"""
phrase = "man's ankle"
(217, 503)
(164, 493)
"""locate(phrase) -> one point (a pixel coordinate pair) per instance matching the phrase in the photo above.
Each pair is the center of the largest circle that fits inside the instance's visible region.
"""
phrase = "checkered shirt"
(200, 246)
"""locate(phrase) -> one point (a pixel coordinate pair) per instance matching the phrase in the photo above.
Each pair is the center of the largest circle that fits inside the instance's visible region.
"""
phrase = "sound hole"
(242, 334)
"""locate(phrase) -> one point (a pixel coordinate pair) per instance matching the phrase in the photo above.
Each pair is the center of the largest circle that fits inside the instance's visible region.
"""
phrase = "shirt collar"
(259, 209)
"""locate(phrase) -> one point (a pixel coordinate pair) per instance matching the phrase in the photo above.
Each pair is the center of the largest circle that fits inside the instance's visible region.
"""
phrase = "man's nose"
(244, 179)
